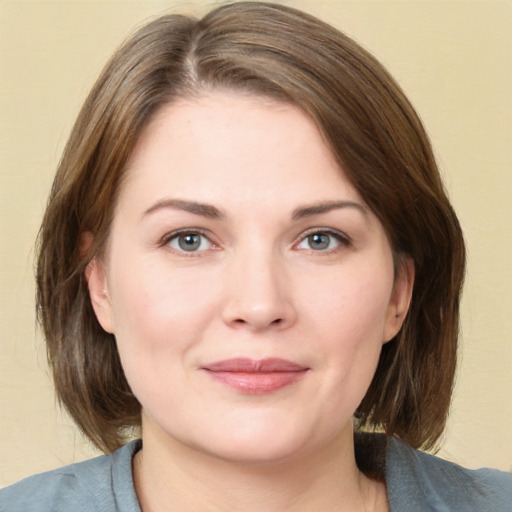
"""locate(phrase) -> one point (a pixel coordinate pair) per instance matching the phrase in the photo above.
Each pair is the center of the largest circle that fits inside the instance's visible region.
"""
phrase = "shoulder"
(100, 484)
(433, 484)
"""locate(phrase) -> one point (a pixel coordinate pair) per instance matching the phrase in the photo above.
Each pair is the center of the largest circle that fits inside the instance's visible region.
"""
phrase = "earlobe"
(98, 292)
(400, 299)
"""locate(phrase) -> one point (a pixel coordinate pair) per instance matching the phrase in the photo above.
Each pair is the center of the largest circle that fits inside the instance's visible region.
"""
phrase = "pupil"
(189, 242)
(319, 241)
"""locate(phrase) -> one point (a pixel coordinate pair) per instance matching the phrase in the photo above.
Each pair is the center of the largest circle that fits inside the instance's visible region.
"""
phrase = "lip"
(256, 377)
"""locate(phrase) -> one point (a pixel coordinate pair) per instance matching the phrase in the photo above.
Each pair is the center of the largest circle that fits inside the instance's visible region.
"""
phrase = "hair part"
(273, 51)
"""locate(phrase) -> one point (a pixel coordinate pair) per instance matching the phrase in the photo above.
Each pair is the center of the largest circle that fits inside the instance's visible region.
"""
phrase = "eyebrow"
(211, 212)
(203, 209)
(325, 207)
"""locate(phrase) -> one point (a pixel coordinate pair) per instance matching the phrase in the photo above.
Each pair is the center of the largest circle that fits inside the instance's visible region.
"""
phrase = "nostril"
(241, 322)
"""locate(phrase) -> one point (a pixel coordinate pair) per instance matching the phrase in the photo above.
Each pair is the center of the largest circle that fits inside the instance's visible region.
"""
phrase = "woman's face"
(248, 285)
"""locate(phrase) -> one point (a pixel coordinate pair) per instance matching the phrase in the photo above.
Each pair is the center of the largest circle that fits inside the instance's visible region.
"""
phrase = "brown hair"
(373, 131)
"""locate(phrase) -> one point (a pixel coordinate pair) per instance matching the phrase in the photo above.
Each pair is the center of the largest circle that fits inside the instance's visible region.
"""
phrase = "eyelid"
(340, 236)
(168, 237)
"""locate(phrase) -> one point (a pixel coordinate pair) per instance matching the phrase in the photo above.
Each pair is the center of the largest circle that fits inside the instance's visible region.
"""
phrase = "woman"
(248, 253)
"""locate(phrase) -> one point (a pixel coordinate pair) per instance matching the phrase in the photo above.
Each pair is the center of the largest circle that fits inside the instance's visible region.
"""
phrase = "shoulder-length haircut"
(278, 52)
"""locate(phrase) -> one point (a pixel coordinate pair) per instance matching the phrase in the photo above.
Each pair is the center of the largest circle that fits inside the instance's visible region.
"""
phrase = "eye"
(189, 241)
(322, 241)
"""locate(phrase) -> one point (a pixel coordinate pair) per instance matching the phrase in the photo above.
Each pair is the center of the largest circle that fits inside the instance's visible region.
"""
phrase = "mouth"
(255, 377)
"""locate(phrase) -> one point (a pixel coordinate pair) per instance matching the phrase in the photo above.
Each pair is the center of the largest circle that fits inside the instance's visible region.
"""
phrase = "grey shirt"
(416, 482)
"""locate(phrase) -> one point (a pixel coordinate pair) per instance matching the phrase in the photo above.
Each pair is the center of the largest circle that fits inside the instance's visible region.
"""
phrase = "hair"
(278, 52)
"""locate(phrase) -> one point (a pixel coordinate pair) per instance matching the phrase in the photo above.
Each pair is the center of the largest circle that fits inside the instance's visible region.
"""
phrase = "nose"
(259, 294)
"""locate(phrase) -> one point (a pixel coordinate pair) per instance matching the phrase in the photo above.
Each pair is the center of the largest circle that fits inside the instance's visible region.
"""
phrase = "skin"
(239, 175)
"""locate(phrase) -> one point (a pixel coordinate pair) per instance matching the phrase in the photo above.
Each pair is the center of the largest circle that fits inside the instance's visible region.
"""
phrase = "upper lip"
(247, 365)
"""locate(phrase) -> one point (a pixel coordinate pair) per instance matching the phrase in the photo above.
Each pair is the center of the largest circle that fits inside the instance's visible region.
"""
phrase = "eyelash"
(170, 237)
(340, 237)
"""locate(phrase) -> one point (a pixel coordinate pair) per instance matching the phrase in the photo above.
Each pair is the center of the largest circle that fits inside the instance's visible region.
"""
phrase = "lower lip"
(257, 383)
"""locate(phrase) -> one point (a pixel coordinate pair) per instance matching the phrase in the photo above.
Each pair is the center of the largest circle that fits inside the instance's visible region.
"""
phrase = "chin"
(255, 452)
(273, 445)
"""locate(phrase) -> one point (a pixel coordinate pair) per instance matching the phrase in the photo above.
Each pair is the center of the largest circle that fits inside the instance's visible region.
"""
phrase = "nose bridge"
(259, 295)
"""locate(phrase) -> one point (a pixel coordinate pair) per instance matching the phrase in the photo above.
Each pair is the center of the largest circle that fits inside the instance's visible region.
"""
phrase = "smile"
(256, 377)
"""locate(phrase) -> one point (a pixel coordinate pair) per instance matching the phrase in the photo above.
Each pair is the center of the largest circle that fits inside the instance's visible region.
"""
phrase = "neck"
(171, 476)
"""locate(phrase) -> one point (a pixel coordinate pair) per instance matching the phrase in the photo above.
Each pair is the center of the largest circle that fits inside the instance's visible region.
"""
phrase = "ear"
(97, 283)
(98, 292)
(400, 298)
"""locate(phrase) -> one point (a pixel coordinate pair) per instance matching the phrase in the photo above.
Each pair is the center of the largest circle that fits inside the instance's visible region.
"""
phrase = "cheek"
(357, 348)
(353, 303)
(156, 309)
(159, 319)
(349, 319)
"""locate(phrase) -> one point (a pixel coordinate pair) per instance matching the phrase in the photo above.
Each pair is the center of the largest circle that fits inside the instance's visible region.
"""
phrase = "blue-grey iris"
(319, 241)
(189, 242)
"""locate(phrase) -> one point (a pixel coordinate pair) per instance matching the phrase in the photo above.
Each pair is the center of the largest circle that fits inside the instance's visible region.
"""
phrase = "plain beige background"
(454, 61)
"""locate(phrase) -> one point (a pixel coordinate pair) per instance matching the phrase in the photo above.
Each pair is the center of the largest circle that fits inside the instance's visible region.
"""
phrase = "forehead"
(249, 145)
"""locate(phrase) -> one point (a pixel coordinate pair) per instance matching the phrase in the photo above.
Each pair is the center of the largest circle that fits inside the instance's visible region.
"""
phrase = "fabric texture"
(416, 482)
(102, 484)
